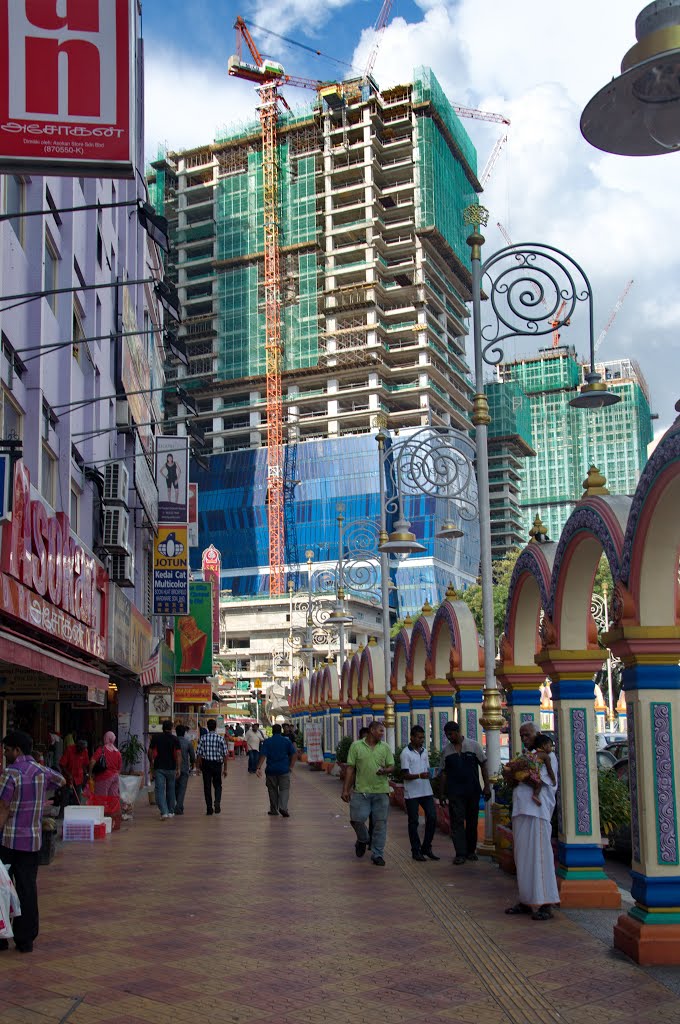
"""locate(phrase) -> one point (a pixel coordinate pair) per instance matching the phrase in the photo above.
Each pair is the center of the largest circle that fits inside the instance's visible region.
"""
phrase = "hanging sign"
(171, 571)
(212, 570)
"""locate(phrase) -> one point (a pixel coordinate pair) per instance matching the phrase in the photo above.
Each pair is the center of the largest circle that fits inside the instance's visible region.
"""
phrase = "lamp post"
(533, 289)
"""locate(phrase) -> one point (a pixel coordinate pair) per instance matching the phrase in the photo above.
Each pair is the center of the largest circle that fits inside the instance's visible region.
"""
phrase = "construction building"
(509, 439)
(567, 441)
(374, 280)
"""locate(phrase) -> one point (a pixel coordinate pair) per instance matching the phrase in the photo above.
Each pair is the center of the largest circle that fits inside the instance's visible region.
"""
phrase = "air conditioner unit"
(116, 483)
(123, 415)
(116, 530)
(122, 569)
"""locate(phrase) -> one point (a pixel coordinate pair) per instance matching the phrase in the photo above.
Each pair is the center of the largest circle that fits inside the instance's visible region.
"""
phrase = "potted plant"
(614, 800)
(341, 753)
(131, 751)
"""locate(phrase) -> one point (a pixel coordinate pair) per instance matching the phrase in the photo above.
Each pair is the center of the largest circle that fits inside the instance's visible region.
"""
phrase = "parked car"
(621, 769)
(605, 759)
(603, 739)
(619, 750)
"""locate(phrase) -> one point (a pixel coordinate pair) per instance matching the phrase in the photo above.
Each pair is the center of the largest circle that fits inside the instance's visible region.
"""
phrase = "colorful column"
(334, 732)
(402, 717)
(522, 685)
(469, 703)
(442, 703)
(581, 877)
(650, 931)
(420, 708)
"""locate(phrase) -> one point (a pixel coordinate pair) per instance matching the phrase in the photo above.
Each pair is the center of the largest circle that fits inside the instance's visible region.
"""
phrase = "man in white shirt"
(254, 737)
(415, 765)
(532, 839)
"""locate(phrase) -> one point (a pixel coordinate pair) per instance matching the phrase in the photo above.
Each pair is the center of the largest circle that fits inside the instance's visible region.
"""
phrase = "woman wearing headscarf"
(106, 782)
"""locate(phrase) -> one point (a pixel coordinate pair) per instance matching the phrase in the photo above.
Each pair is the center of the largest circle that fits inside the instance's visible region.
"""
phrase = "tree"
(502, 570)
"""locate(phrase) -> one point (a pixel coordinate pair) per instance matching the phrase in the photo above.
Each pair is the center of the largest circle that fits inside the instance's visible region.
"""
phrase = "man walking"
(23, 789)
(165, 756)
(254, 737)
(369, 763)
(462, 759)
(211, 757)
(188, 760)
(531, 838)
(280, 755)
(415, 764)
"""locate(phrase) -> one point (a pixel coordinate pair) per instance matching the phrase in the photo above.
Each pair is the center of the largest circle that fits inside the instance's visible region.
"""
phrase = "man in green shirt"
(369, 764)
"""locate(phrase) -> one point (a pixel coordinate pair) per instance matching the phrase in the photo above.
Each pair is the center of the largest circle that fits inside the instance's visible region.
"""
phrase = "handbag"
(100, 764)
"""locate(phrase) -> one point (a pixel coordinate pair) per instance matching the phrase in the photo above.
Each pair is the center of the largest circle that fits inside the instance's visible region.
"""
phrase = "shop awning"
(40, 659)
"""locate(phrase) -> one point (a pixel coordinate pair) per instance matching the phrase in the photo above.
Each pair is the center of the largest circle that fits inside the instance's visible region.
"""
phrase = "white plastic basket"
(78, 831)
(84, 813)
(109, 824)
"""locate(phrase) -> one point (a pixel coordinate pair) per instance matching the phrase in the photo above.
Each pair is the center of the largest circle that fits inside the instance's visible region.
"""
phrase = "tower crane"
(491, 162)
(615, 312)
(378, 28)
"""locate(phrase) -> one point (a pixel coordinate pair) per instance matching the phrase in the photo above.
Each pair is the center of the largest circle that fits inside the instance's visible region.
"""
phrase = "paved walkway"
(149, 926)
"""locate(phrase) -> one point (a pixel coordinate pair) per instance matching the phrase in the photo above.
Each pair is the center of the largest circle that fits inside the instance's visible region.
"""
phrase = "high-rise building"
(374, 283)
(509, 444)
(567, 441)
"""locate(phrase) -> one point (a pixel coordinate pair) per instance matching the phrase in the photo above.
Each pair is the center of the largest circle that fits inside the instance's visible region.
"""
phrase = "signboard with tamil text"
(68, 87)
(193, 693)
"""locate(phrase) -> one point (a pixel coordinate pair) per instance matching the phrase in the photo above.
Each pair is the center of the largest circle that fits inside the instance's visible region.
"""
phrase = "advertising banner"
(171, 571)
(193, 645)
(212, 566)
(313, 742)
(145, 484)
(193, 515)
(67, 87)
(193, 693)
(135, 375)
(172, 472)
(129, 632)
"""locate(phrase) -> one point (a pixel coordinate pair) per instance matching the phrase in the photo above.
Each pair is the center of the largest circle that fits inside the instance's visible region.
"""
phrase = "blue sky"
(535, 61)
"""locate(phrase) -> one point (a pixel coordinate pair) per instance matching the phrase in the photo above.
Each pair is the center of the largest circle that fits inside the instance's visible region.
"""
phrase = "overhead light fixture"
(638, 113)
(187, 401)
(168, 298)
(449, 531)
(594, 394)
(176, 350)
(202, 463)
(195, 432)
(339, 616)
(155, 225)
(401, 541)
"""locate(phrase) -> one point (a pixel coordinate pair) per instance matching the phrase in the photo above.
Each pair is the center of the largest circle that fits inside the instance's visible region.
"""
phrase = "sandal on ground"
(519, 908)
(541, 915)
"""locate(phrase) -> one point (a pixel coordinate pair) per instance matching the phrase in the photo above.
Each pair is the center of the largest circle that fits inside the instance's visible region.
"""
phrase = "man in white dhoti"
(531, 836)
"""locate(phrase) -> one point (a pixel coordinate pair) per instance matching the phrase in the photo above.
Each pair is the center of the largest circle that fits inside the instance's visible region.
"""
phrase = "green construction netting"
(241, 350)
(549, 374)
(510, 411)
(426, 89)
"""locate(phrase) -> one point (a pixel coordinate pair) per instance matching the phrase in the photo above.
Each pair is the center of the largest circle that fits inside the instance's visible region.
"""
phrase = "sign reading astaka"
(49, 580)
(67, 86)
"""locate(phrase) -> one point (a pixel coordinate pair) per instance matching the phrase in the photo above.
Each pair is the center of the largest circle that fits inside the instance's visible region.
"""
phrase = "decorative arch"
(400, 660)
(528, 595)
(354, 677)
(418, 665)
(596, 526)
(366, 674)
(445, 643)
(651, 548)
(344, 682)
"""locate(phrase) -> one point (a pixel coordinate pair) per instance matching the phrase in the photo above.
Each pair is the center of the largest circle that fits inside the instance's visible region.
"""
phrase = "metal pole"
(341, 592)
(492, 719)
(610, 694)
(390, 732)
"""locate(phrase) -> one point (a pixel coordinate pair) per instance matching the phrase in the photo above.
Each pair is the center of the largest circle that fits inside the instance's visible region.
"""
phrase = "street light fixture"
(638, 113)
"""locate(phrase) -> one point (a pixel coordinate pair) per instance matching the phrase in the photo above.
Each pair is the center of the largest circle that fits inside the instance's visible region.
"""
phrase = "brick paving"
(149, 926)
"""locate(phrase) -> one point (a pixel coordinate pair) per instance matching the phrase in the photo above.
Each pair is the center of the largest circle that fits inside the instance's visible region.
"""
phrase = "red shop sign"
(49, 580)
(67, 87)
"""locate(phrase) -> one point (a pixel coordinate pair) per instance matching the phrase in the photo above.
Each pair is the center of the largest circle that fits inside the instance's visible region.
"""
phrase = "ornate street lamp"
(638, 113)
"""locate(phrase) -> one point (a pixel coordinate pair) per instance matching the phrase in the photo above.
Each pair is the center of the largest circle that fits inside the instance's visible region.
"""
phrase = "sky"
(537, 63)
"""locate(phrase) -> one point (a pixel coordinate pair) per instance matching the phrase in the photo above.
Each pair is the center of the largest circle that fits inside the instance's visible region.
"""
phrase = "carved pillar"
(420, 707)
(581, 877)
(523, 697)
(442, 702)
(650, 931)
(402, 717)
(469, 687)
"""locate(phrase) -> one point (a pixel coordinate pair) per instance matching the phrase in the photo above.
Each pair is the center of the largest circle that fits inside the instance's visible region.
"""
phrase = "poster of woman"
(172, 469)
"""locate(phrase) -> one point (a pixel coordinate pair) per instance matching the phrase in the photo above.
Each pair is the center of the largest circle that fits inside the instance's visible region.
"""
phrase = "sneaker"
(472, 856)
(171, 814)
(378, 861)
(164, 817)
(360, 848)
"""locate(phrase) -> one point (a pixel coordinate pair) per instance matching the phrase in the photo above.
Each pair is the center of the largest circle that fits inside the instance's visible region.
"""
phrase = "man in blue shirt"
(280, 755)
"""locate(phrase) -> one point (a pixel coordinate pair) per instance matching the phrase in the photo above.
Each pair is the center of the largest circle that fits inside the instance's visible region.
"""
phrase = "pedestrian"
(74, 763)
(280, 755)
(254, 737)
(363, 732)
(106, 780)
(23, 788)
(369, 763)
(188, 760)
(211, 758)
(289, 732)
(165, 757)
(415, 765)
(532, 839)
(462, 759)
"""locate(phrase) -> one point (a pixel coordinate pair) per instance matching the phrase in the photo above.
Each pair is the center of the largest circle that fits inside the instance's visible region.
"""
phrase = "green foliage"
(603, 579)
(502, 573)
(397, 775)
(342, 749)
(614, 801)
(131, 751)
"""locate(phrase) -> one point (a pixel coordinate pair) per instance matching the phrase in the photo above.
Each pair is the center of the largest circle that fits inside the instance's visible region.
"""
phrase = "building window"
(48, 475)
(78, 332)
(15, 203)
(51, 272)
(11, 425)
(75, 510)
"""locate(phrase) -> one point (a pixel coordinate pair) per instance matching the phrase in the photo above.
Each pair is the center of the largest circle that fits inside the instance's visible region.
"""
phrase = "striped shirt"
(24, 786)
(211, 747)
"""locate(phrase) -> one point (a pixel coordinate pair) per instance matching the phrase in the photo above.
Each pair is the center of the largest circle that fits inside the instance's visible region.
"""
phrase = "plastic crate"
(108, 822)
(88, 813)
(100, 831)
(79, 831)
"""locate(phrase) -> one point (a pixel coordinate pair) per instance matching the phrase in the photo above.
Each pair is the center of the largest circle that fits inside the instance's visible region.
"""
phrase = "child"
(527, 767)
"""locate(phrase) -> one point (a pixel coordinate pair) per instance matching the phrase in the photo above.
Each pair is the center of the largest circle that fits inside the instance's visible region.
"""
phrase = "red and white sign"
(212, 569)
(49, 580)
(68, 86)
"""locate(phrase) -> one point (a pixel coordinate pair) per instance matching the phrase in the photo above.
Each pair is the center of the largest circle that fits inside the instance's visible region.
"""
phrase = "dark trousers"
(180, 789)
(412, 807)
(278, 788)
(253, 758)
(212, 777)
(464, 816)
(23, 869)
